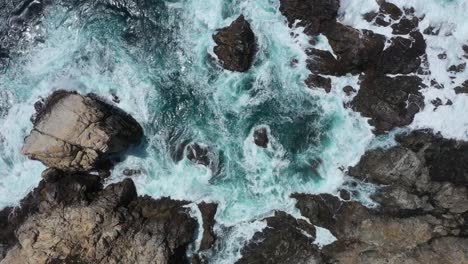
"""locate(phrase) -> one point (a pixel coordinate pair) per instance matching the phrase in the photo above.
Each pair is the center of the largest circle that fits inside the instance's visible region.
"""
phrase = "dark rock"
(436, 85)
(391, 9)
(284, 240)
(323, 62)
(405, 26)
(382, 20)
(403, 56)
(236, 45)
(437, 102)
(208, 211)
(432, 30)
(261, 137)
(345, 195)
(442, 56)
(449, 102)
(199, 154)
(348, 90)
(317, 81)
(313, 15)
(369, 17)
(389, 102)
(131, 172)
(457, 68)
(463, 88)
(355, 50)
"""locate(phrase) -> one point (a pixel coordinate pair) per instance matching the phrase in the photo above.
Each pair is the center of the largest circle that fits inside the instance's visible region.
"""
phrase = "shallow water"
(162, 68)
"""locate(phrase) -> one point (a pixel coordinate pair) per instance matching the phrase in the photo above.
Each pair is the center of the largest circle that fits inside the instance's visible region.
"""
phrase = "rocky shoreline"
(422, 182)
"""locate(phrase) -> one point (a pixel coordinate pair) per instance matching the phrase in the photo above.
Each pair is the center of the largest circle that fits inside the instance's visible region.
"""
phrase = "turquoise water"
(162, 68)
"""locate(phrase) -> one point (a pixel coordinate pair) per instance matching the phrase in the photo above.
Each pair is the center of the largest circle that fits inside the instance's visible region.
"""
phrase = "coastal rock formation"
(79, 133)
(208, 211)
(236, 46)
(423, 193)
(72, 219)
(389, 101)
(284, 240)
(313, 15)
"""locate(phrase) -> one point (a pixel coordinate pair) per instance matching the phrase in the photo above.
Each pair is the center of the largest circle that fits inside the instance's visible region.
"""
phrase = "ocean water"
(161, 65)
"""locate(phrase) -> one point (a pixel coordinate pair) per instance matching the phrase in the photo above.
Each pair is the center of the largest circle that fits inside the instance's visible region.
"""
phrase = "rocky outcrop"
(382, 98)
(208, 212)
(389, 101)
(73, 132)
(261, 137)
(235, 45)
(423, 192)
(72, 219)
(313, 15)
(284, 240)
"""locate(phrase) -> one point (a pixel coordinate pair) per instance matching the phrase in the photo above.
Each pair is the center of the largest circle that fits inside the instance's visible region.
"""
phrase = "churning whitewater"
(165, 74)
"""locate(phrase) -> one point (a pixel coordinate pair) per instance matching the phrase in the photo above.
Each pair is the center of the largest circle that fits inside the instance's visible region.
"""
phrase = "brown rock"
(236, 45)
(77, 133)
(208, 211)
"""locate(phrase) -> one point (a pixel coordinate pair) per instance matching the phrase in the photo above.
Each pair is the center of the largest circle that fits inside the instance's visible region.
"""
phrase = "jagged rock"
(389, 102)
(78, 133)
(355, 50)
(323, 62)
(313, 15)
(236, 46)
(463, 88)
(261, 137)
(76, 220)
(317, 81)
(199, 154)
(348, 90)
(403, 56)
(208, 212)
(284, 240)
(405, 26)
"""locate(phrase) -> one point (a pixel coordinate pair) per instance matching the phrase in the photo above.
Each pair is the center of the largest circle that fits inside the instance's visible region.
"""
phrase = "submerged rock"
(75, 219)
(284, 240)
(78, 133)
(235, 45)
(389, 101)
(261, 137)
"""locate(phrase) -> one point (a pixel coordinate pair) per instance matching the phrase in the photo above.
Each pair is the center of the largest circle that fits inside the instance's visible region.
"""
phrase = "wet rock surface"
(284, 240)
(261, 137)
(208, 211)
(235, 45)
(389, 101)
(79, 133)
(73, 217)
(423, 192)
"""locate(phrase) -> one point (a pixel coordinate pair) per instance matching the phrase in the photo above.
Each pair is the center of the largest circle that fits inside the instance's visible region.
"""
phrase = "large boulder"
(314, 15)
(73, 132)
(389, 102)
(75, 220)
(235, 45)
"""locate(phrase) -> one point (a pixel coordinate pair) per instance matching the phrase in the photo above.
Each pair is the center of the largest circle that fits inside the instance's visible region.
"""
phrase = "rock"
(208, 211)
(355, 50)
(437, 102)
(317, 81)
(261, 137)
(391, 9)
(405, 26)
(323, 62)
(78, 133)
(403, 56)
(463, 88)
(389, 102)
(235, 45)
(432, 30)
(349, 90)
(284, 240)
(313, 15)
(131, 172)
(79, 222)
(199, 154)
(345, 195)
(457, 68)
